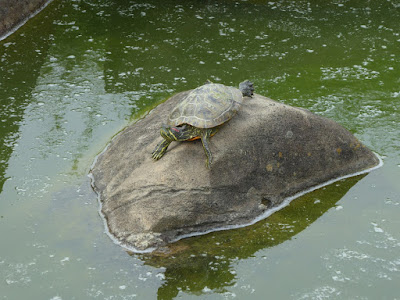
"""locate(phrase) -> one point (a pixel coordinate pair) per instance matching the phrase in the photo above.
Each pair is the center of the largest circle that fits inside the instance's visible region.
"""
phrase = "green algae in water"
(82, 70)
(206, 261)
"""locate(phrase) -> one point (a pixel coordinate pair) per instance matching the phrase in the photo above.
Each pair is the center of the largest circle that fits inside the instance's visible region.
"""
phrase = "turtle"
(200, 114)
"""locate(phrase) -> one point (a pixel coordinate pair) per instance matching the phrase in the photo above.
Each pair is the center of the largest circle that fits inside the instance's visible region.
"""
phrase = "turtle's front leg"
(160, 149)
(169, 136)
(205, 138)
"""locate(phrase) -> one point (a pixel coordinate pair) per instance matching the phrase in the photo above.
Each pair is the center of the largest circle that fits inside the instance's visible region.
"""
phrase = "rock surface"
(267, 152)
(14, 13)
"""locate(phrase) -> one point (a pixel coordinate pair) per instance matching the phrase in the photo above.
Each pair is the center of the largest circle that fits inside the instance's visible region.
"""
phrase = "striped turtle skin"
(200, 114)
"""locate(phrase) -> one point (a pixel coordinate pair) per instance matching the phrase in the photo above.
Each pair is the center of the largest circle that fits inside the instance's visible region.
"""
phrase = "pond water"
(80, 71)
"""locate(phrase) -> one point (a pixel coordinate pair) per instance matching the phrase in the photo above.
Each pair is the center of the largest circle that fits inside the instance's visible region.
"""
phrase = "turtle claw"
(160, 150)
(208, 165)
(156, 155)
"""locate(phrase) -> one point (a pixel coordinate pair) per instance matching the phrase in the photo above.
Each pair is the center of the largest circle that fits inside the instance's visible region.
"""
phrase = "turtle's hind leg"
(205, 138)
(247, 88)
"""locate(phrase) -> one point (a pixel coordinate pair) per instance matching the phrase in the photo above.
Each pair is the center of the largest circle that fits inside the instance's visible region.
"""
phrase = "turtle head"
(247, 88)
(178, 133)
(168, 133)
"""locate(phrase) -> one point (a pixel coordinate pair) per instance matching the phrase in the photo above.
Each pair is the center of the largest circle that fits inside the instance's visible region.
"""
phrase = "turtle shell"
(207, 106)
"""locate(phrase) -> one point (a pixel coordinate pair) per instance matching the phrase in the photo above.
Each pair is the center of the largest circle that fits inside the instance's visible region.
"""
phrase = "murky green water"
(82, 70)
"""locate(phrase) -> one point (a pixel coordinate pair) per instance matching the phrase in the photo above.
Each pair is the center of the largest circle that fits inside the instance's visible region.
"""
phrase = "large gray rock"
(267, 152)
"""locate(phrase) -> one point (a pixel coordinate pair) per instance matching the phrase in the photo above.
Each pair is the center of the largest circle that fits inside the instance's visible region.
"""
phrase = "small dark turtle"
(200, 114)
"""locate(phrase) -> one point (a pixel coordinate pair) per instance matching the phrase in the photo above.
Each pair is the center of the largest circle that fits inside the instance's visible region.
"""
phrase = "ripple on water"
(322, 292)
(369, 260)
(369, 111)
(98, 71)
(345, 73)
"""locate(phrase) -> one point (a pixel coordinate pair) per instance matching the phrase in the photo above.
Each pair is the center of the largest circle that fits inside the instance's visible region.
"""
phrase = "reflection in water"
(148, 50)
(200, 264)
(79, 71)
(19, 70)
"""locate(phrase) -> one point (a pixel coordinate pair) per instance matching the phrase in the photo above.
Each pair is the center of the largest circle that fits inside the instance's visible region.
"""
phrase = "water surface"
(80, 71)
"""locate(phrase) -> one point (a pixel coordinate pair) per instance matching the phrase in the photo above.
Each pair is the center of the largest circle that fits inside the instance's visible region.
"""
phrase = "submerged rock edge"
(16, 14)
(285, 202)
(143, 241)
